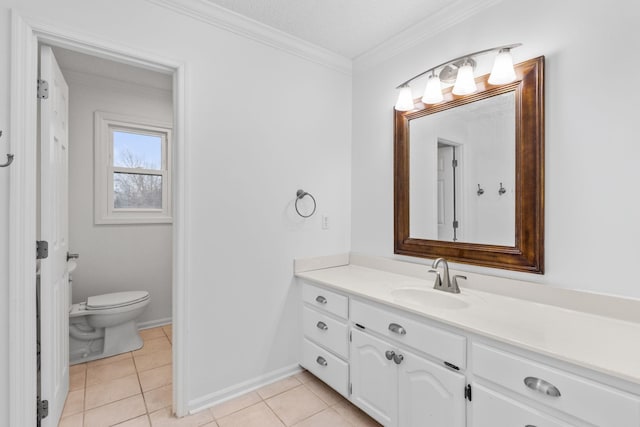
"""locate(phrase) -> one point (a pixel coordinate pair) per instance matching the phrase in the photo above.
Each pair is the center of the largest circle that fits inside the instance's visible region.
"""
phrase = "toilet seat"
(115, 300)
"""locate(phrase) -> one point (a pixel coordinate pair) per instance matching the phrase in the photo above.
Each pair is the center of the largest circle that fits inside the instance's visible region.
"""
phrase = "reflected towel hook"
(502, 190)
(9, 157)
(9, 161)
(300, 194)
(480, 190)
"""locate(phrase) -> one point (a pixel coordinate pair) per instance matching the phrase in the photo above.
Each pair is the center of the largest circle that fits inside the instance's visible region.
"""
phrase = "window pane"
(132, 190)
(133, 150)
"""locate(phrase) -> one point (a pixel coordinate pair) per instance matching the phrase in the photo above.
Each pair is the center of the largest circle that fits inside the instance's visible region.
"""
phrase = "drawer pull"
(321, 299)
(322, 325)
(397, 329)
(542, 386)
(389, 354)
(321, 361)
(398, 358)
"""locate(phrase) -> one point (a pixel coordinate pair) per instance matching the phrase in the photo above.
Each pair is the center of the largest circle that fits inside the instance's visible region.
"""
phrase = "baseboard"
(209, 400)
(154, 323)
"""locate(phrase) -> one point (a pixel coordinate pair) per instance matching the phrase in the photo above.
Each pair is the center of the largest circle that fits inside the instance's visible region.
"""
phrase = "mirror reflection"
(462, 173)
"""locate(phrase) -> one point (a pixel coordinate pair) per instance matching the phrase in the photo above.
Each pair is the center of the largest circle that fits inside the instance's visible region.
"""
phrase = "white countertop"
(603, 344)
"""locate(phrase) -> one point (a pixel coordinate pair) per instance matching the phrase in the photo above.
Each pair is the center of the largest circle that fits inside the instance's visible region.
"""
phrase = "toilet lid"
(116, 299)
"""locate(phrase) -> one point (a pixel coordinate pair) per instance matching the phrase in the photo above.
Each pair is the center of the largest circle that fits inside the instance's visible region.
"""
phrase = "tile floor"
(134, 390)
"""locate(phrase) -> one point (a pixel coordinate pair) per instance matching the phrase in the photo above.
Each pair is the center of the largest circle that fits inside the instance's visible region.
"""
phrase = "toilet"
(105, 325)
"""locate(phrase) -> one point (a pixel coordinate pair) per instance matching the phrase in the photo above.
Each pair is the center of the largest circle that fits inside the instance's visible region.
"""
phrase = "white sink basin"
(429, 298)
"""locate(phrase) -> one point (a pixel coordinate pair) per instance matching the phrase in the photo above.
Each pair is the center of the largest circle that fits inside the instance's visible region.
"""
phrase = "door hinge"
(350, 336)
(350, 389)
(454, 163)
(467, 392)
(456, 224)
(42, 409)
(42, 249)
(43, 89)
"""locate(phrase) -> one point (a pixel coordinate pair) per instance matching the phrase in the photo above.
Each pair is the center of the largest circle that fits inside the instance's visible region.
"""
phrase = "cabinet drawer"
(491, 409)
(326, 366)
(434, 341)
(590, 401)
(326, 331)
(324, 299)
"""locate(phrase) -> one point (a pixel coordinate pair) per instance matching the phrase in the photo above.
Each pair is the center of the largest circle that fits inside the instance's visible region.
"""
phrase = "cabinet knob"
(321, 361)
(389, 354)
(397, 329)
(321, 299)
(398, 358)
(322, 325)
(542, 386)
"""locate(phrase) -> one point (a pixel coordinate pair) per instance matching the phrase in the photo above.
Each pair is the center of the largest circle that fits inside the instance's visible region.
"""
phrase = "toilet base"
(117, 339)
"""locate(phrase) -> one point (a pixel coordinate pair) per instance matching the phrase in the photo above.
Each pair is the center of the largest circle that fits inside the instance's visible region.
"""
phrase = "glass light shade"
(433, 91)
(465, 83)
(502, 71)
(405, 99)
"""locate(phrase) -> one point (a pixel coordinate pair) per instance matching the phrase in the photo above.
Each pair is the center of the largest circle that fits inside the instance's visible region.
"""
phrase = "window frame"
(104, 169)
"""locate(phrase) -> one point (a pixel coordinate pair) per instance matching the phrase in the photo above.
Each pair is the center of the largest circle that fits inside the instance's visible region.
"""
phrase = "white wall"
(490, 160)
(261, 123)
(592, 150)
(5, 34)
(423, 170)
(114, 258)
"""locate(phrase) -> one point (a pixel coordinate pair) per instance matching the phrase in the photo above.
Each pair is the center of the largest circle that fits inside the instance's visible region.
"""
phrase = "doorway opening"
(29, 183)
(113, 237)
(449, 191)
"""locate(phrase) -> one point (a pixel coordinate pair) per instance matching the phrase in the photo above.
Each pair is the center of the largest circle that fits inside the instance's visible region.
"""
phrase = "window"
(132, 170)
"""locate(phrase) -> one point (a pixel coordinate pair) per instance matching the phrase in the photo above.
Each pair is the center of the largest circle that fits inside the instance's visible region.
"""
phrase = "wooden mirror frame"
(528, 253)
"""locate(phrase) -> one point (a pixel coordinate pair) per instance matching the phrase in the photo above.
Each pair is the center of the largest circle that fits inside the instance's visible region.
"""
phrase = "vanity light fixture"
(459, 72)
(433, 90)
(405, 99)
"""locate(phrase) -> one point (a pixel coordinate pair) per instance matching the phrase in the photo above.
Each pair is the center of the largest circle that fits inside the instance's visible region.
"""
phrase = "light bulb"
(502, 71)
(405, 99)
(433, 90)
(465, 83)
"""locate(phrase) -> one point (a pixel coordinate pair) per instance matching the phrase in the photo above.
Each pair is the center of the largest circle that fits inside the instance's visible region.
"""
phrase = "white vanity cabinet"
(533, 384)
(406, 370)
(325, 347)
(392, 383)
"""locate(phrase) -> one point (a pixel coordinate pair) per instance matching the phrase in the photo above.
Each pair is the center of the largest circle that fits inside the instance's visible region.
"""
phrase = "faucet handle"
(438, 281)
(456, 277)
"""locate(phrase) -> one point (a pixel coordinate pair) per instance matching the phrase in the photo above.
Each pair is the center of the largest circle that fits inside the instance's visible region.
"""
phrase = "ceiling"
(89, 64)
(347, 27)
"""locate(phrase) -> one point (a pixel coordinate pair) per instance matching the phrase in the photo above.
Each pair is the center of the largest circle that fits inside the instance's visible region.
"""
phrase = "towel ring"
(300, 194)
(9, 157)
(9, 161)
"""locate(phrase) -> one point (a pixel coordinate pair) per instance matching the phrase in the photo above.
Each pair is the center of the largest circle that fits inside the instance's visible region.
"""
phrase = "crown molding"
(222, 18)
(455, 13)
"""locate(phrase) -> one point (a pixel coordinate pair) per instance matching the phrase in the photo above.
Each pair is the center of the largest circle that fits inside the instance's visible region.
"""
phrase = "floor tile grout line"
(274, 412)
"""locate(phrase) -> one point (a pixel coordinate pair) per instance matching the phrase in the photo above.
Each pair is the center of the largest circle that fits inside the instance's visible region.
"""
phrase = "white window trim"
(104, 212)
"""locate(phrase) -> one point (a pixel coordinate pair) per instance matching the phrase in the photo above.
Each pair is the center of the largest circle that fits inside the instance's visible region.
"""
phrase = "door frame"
(26, 33)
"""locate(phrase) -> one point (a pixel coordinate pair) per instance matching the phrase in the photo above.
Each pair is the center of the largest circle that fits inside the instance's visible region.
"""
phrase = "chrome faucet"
(442, 281)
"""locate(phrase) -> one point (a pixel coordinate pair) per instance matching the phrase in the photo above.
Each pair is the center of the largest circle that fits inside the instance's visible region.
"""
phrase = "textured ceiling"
(347, 27)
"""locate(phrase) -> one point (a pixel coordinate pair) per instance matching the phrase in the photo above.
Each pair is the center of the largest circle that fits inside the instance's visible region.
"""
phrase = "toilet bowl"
(105, 325)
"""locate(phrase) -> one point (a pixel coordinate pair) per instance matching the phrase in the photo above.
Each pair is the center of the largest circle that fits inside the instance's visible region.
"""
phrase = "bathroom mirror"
(469, 175)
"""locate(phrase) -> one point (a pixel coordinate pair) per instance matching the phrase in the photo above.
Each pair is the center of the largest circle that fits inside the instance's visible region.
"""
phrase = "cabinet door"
(430, 395)
(374, 378)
